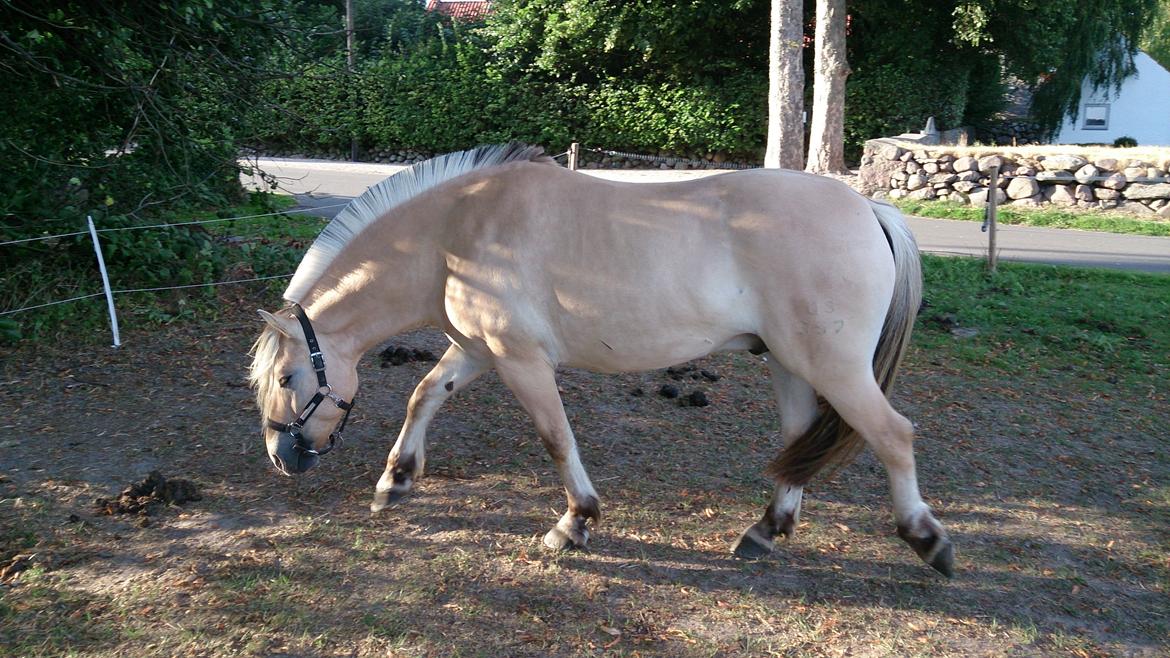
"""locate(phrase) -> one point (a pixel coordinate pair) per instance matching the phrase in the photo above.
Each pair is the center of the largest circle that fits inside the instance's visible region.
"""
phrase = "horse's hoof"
(935, 549)
(751, 546)
(559, 540)
(384, 499)
(944, 559)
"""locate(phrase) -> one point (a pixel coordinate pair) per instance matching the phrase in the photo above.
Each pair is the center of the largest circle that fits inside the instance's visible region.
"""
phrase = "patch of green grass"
(1046, 217)
(1041, 316)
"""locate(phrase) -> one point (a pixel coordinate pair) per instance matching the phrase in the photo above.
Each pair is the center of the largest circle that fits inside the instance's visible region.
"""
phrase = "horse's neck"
(362, 305)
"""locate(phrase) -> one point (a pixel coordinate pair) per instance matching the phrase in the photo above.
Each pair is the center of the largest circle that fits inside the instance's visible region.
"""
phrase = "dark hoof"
(559, 540)
(935, 550)
(384, 499)
(752, 547)
(944, 559)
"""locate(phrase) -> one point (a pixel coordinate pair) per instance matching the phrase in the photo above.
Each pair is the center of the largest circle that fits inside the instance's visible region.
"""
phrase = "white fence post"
(105, 281)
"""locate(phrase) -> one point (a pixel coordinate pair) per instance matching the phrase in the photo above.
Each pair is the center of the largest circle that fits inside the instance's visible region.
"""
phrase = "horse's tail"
(830, 442)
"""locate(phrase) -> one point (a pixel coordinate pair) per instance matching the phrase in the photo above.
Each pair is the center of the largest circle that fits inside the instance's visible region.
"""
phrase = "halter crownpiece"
(324, 390)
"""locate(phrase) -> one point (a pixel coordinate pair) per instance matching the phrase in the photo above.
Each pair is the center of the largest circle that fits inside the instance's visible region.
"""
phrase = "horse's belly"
(651, 319)
(620, 347)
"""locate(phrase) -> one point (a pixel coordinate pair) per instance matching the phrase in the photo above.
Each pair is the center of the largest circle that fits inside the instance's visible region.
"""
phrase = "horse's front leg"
(534, 384)
(407, 458)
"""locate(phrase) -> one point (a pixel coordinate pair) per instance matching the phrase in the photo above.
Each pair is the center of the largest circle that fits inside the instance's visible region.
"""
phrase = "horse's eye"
(283, 381)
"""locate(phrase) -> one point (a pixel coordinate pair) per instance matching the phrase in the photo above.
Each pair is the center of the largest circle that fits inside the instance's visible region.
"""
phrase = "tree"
(1156, 37)
(1057, 44)
(826, 149)
(785, 142)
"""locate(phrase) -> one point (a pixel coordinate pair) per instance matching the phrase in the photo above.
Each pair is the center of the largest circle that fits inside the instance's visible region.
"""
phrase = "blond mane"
(380, 199)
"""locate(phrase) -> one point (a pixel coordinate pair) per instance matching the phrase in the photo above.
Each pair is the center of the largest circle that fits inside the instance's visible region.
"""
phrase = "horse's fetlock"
(787, 525)
(590, 508)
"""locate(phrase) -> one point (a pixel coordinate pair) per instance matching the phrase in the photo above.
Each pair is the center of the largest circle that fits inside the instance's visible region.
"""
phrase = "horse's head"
(300, 406)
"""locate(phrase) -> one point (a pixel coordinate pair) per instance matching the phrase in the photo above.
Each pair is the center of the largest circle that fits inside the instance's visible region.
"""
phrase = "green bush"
(644, 116)
(894, 98)
(49, 270)
(315, 109)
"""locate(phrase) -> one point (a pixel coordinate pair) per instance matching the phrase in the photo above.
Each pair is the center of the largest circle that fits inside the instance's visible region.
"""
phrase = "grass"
(1048, 217)
(1028, 316)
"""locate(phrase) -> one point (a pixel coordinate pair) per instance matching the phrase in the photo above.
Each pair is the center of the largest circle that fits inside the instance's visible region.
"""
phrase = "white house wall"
(1141, 109)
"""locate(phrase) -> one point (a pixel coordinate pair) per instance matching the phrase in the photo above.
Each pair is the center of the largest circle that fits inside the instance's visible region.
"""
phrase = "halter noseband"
(324, 390)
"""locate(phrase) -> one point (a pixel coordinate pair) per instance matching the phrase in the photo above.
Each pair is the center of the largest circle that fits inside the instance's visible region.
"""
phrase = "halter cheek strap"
(324, 391)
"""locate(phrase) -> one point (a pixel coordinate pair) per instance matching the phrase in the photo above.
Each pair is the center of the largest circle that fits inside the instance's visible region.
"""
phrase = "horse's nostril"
(278, 462)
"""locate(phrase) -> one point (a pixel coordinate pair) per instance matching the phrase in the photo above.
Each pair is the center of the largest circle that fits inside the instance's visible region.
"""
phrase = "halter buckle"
(318, 360)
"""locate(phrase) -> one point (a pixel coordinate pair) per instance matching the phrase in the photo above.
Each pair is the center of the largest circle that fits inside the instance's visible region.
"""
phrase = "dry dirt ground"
(1057, 501)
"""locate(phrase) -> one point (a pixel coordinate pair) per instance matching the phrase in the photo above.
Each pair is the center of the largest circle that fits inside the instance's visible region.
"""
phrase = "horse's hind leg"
(798, 409)
(455, 370)
(534, 384)
(861, 404)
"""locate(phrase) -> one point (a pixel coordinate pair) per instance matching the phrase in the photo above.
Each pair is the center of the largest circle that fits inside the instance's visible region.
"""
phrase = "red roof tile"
(466, 9)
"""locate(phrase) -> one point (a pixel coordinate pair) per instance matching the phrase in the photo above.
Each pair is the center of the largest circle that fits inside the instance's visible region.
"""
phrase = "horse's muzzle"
(291, 459)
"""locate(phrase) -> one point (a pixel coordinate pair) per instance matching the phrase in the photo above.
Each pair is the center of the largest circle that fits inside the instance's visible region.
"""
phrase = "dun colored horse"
(528, 266)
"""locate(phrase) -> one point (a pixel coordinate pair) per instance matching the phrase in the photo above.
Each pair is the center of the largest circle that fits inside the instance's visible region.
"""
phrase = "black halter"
(324, 390)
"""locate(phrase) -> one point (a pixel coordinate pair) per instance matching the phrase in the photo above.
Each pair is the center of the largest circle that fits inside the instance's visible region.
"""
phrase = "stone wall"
(1109, 179)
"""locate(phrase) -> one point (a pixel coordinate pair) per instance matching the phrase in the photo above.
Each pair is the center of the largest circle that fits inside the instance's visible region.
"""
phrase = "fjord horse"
(528, 266)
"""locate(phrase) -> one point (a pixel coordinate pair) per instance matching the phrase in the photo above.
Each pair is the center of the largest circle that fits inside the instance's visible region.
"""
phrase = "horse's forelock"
(264, 352)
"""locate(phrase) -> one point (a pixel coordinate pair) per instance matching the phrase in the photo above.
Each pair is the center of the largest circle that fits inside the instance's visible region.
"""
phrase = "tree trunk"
(826, 149)
(785, 87)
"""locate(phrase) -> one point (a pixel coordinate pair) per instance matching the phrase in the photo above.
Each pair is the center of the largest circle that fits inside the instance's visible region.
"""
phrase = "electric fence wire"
(217, 220)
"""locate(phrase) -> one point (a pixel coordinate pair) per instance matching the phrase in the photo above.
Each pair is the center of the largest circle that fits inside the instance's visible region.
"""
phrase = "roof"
(464, 9)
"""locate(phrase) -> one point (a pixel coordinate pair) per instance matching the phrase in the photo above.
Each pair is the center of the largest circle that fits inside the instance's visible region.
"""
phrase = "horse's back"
(626, 276)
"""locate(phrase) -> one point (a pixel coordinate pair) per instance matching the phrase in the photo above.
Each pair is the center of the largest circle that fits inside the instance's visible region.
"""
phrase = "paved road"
(327, 185)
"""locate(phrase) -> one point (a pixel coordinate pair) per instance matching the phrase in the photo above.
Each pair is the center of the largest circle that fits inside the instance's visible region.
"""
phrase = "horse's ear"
(273, 321)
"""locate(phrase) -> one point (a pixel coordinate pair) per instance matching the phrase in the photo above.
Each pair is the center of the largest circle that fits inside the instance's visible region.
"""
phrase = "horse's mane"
(394, 191)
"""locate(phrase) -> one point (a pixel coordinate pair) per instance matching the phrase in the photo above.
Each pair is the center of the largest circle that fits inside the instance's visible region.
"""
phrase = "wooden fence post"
(992, 204)
(574, 152)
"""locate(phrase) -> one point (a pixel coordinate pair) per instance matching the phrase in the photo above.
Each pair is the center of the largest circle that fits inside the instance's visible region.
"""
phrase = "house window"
(1096, 116)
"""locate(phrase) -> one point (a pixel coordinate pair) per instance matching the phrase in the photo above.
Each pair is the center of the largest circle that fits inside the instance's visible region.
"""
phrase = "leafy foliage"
(123, 105)
(1156, 37)
(686, 75)
(722, 117)
(129, 112)
(896, 98)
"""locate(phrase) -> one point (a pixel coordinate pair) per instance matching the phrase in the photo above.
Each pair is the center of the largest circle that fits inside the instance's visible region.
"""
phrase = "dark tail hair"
(830, 442)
